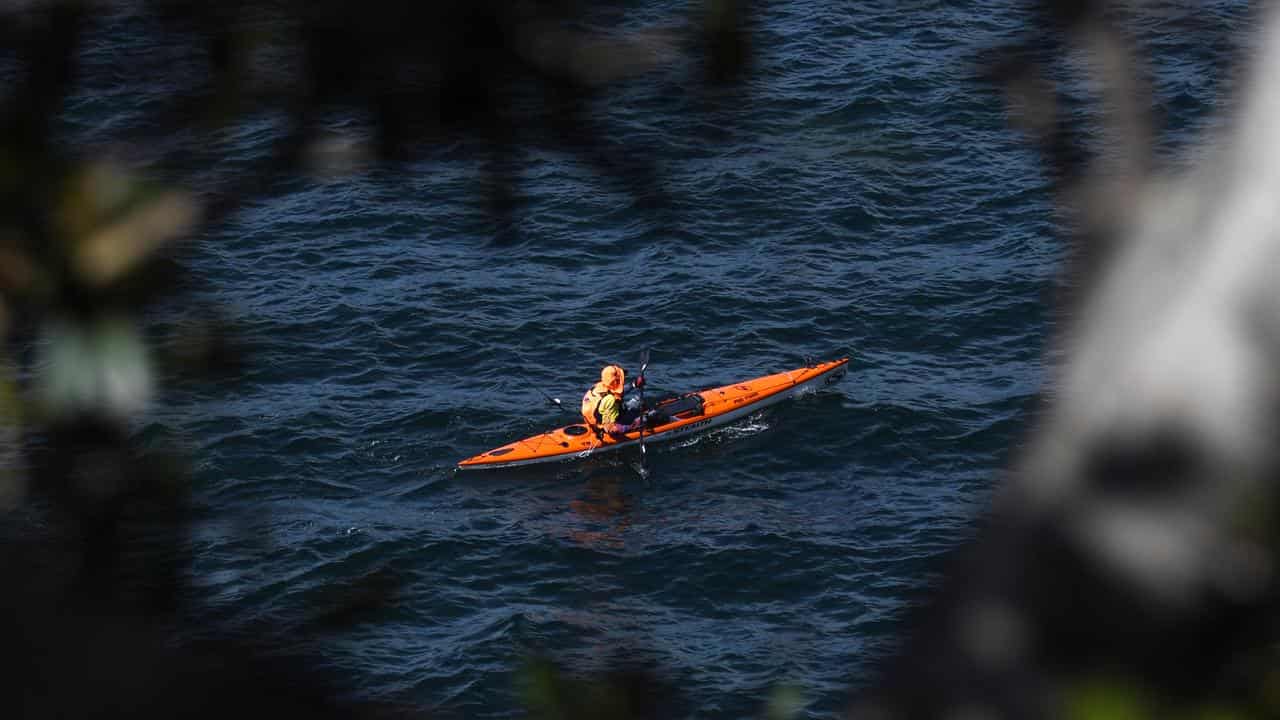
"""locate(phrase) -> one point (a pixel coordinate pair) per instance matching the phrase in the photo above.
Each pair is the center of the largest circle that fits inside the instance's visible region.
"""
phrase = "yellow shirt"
(610, 409)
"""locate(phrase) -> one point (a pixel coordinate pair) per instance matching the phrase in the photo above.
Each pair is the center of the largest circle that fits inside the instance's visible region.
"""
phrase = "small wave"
(747, 427)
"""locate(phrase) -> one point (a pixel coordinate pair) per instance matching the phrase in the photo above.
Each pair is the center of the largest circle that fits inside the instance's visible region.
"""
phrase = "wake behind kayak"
(674, 417)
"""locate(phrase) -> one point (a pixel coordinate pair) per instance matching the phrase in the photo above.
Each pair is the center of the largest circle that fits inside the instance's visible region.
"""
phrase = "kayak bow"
(676, 417)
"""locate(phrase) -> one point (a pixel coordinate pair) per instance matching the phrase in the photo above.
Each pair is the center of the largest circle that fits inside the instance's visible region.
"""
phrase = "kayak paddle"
(644, 365)
(553, 400)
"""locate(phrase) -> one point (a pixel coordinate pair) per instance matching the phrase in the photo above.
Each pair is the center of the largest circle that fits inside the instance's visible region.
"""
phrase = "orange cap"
(613, 378)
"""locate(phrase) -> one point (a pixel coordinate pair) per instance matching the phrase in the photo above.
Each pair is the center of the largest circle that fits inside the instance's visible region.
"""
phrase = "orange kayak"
(673, 417)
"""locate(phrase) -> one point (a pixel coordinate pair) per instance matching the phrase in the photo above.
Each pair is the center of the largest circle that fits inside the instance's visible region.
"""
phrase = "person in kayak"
(603, 408)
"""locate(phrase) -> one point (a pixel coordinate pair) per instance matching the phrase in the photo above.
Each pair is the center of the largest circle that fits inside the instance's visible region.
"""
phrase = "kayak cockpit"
(683, 407)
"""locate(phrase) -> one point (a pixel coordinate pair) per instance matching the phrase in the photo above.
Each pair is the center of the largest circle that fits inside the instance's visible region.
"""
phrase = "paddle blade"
(644, 361)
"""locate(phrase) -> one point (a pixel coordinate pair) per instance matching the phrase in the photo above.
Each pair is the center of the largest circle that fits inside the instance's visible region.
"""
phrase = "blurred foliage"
(1108, 700)
(97, 591)
(786, 702)
(551, 694)
(1114, 698)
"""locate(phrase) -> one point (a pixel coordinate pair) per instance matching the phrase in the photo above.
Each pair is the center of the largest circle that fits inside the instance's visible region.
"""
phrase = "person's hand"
(638, 382)
(645, 420)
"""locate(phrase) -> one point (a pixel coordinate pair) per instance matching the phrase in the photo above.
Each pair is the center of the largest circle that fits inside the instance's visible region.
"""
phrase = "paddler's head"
(613, 379)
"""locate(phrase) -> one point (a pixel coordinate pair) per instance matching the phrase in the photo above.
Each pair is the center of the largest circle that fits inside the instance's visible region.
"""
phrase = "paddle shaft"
(555, 401)
(644, 365)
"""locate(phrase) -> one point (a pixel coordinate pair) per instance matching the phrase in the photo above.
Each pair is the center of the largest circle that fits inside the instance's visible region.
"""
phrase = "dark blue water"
(864, 196)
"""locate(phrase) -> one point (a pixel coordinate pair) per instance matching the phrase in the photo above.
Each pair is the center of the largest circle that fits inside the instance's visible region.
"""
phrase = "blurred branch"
(96, 598)
(1129, 568)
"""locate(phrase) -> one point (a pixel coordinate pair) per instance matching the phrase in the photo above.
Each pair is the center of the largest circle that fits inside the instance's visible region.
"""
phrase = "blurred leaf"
(113, 221)
(1108, 699)
(550, 694)
(103, 367)
(18, 275)
(92, 193)
(1269, 692)
(786, 702)
(539, 682)
(10, 406)
(108, 254)
(12, 481)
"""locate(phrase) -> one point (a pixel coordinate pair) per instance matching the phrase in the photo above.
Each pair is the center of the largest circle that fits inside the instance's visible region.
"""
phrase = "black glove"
(638, 382)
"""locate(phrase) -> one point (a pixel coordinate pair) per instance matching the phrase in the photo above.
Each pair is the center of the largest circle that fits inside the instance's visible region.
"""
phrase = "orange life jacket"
(591, 404)
(612, 381)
